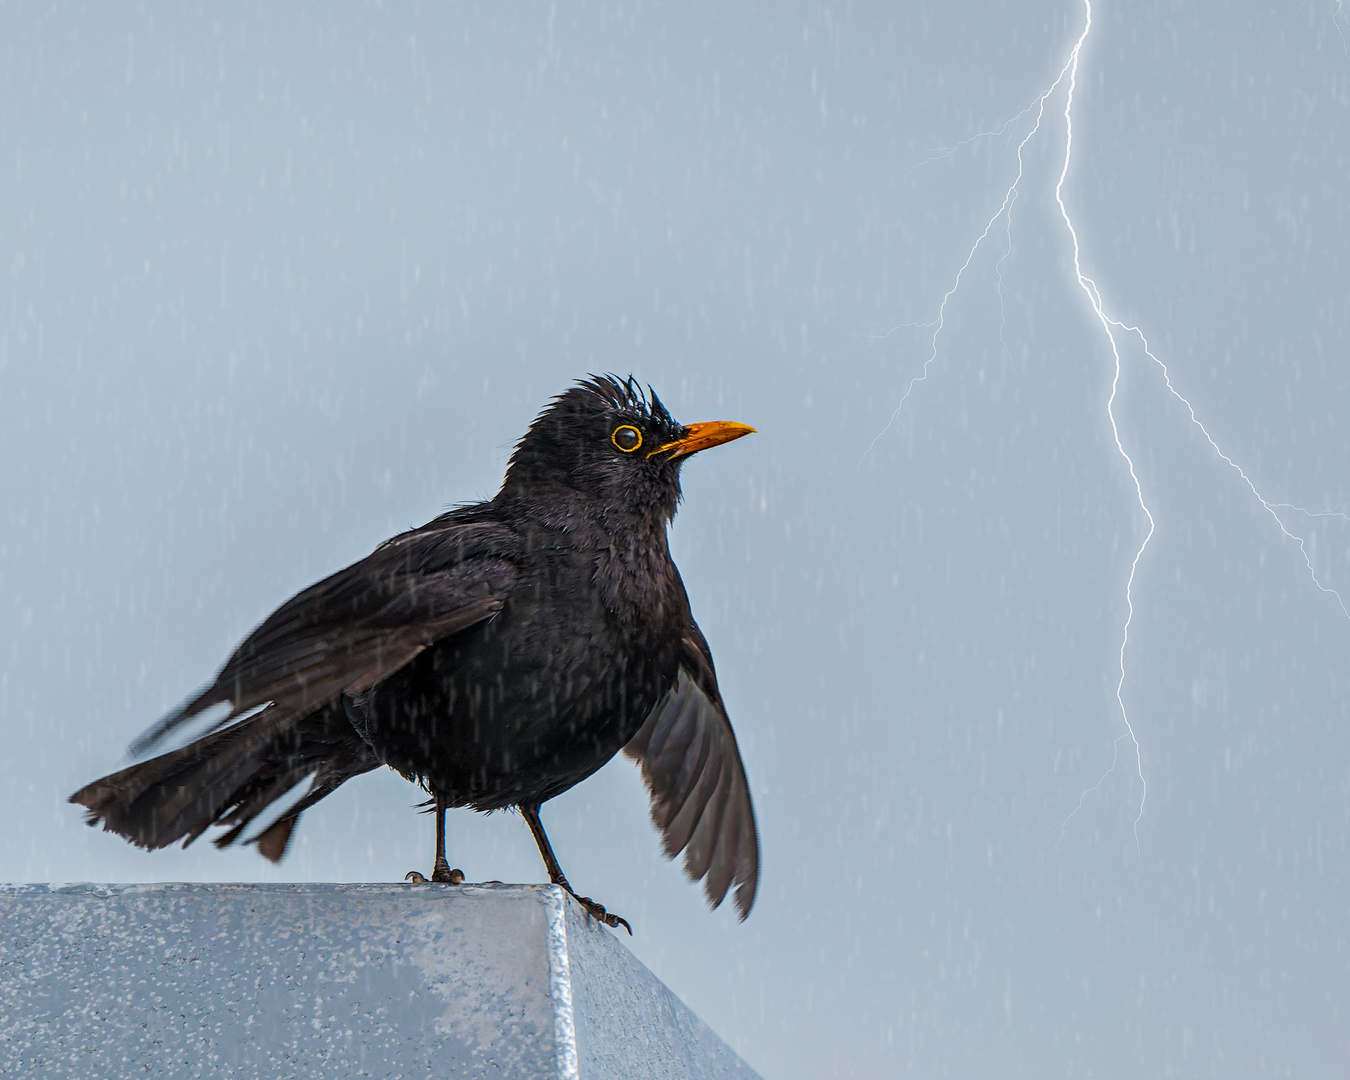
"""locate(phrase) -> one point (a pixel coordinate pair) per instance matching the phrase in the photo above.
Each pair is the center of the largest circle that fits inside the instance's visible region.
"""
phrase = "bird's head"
(615, 447)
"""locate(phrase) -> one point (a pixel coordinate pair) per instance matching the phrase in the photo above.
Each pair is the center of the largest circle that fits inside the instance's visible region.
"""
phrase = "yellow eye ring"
(627, 438)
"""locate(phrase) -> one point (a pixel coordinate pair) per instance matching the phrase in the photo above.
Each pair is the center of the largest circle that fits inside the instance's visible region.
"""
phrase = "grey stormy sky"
(279, 282)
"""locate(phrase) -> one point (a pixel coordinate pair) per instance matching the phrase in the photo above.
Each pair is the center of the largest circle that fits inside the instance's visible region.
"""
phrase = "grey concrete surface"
(184, 980)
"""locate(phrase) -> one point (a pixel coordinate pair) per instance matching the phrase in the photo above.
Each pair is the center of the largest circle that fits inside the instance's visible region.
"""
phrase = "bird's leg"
(530, 812)
(441, 870)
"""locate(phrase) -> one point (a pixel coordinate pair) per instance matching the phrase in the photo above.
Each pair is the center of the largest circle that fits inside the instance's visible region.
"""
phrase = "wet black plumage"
(497, 656)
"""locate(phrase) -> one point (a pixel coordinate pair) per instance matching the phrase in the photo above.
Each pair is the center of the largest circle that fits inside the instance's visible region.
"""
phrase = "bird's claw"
(598, 912)
(441, 875)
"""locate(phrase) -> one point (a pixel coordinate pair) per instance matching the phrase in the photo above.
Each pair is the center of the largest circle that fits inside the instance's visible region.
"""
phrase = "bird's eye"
(627, 438)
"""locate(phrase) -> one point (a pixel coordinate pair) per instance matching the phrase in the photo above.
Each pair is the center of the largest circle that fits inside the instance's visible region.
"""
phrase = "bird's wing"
(700, 798)
(357, 627)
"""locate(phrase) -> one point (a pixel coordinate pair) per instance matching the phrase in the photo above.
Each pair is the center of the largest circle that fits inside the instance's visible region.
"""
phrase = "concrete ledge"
(332, 981)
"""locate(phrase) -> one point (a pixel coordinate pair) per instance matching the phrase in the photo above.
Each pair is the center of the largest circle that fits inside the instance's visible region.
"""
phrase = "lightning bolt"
(1116, 332)
(1005, 208)
(1338, 20)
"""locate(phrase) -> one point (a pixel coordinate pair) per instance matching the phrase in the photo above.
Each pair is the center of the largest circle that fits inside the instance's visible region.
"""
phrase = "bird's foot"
(442, 874)
(598, 912)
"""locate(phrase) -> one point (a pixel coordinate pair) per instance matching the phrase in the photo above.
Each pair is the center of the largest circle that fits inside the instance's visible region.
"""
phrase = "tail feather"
(273, 841)
(230, 777)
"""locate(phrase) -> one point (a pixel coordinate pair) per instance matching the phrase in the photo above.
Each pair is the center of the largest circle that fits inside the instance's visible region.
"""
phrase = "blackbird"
(496, 656)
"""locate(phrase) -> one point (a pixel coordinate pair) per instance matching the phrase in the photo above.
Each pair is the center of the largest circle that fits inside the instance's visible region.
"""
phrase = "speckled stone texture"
(332, 981)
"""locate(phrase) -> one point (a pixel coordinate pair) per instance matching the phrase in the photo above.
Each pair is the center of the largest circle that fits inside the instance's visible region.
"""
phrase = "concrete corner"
(332, 981)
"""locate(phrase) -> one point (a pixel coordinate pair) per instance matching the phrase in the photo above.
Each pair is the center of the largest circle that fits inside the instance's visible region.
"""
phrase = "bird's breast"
(524, 706)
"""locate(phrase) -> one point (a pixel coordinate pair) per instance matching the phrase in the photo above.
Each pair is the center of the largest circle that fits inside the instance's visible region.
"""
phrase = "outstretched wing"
(359, 626)
(700, 798)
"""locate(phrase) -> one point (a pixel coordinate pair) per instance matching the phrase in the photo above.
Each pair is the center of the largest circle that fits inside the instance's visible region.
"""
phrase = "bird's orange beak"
(698, 437)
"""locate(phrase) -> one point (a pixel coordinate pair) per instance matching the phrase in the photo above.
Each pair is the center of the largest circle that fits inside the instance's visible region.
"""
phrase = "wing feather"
(700, 800)
(360, 625)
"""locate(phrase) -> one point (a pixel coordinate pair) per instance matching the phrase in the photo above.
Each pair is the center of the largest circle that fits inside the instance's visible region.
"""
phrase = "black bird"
(496, 656)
